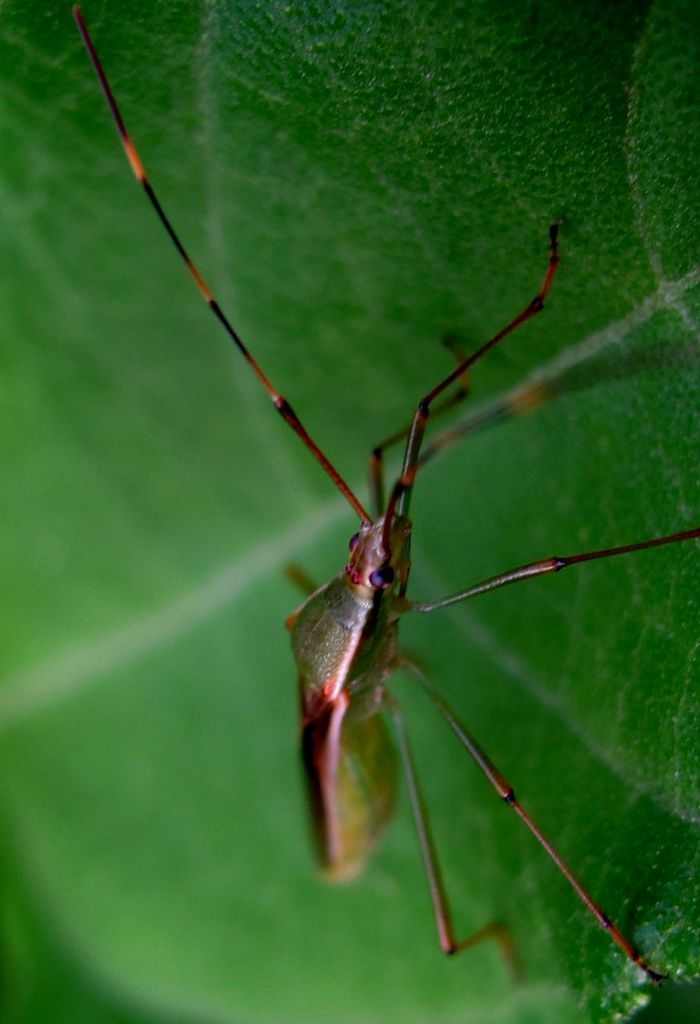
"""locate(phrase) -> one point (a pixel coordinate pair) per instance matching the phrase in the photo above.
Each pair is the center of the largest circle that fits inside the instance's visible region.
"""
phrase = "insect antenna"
(401, 493)
(281, 404)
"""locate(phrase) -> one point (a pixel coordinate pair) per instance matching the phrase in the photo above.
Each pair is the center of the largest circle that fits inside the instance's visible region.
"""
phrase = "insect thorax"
(341, 641)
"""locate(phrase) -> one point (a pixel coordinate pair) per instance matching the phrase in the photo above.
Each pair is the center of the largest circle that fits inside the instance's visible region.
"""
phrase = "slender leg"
(517, 401)
(441, 911)
(303, 581)
(538, 388)
(401, 493)
(300, 578)
(280, 403)
(506, 792)
(376, 457)
(541, 568)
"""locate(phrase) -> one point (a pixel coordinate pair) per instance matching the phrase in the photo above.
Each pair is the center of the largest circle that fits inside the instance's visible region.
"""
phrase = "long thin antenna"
(281, 404)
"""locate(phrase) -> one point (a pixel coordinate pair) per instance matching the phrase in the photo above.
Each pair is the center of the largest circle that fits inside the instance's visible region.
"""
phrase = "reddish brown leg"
(376, 457)
(542, 568)
(281, 404)
(532, 393)
(517, 402)
(401, 493)
(506, 792)
(441, 910)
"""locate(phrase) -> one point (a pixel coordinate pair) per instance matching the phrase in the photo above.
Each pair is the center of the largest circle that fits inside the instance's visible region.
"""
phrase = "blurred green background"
(354, 181)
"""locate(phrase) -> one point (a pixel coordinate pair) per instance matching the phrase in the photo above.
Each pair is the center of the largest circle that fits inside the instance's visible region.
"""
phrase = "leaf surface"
(353, 182)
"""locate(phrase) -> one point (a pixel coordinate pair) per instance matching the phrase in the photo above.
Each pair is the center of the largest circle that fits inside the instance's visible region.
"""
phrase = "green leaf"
(354, 181)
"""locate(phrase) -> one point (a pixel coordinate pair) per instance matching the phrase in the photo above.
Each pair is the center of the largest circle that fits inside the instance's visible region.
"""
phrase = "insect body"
(344, 636)
(344, 640)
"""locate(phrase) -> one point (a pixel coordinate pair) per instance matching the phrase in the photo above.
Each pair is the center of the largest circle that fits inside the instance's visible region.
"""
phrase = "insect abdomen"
(350, 767)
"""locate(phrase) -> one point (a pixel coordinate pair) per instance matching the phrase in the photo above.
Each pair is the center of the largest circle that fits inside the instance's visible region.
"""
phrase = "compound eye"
(353, 541)
(382, 577)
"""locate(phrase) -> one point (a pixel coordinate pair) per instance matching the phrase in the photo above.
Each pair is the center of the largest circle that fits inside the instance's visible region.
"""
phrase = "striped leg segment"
(504, 789)
(441, 910)
(281, 404)
(542, 568)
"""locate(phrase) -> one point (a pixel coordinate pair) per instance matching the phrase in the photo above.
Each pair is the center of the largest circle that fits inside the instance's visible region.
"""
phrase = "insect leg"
(300, 578)
(506, 792)
(303, 581)
(546, 384)
(541, 568)
(517, 401)
(441, 911)
(400, 496)
(376, 457)
(280, 403)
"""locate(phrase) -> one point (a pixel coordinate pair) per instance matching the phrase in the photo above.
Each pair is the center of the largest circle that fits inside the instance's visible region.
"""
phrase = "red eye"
(353, 541)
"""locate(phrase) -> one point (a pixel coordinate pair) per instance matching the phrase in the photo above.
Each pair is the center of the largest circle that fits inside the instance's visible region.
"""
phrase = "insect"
(344, 635)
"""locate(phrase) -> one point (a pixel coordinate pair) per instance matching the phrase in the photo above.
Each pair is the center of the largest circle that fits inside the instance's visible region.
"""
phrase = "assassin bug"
(344, 635)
